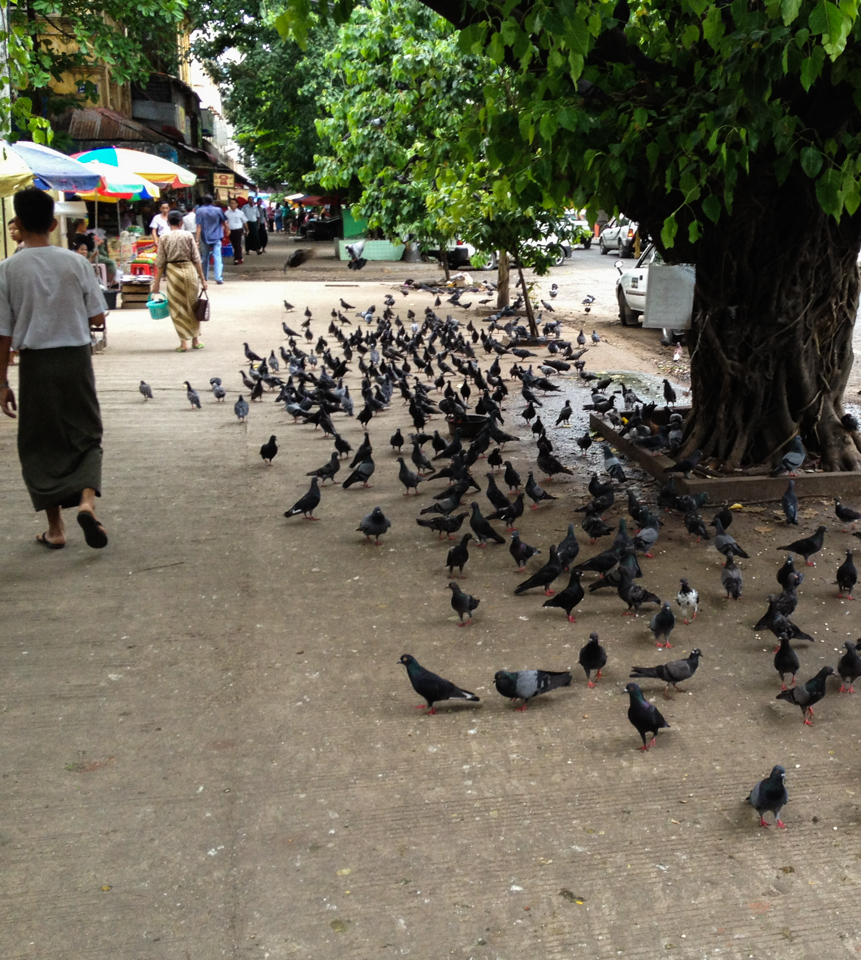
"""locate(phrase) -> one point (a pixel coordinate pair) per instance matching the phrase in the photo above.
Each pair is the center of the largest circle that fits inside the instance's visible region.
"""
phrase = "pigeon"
(789, 503)
(551, 466)
(685, 466)
(785, 660)
(724, 542)
(192, 395)
(328, 470)
(482, 528)
(792, 459)
(494, 494)
(662, 624)
(584, 443)
(511, 476)
(694, 523)
(568, 598)
(788, 599)
(527, 684)
(250, 355)
(565, 414)
(592, 657)
(409, 479)
(808, 545)
(536, 493)
(307, 504)
(612, 466)
(297, 258)
(645, 717)
(443, 525)
(375, 524)
(633, 594)
(807, 694)
(462, 603)
(544, 576)
(458, 555)
(240, 408)
(568, 548)
(849, 667)
(770, 796)
(669, 393)
(362, 473)
(146, 390)
(595, 528)
(846, 514)
(269, 450)
(847, 577)
(217, 390)
(786, 571)
(520, 551)
(432, 687)
(671, 673)
(731, 578)
(688, 599)
(779, 623)
(397, 440)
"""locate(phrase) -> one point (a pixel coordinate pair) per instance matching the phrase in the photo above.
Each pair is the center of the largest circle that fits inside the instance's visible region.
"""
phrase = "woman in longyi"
(179, 261)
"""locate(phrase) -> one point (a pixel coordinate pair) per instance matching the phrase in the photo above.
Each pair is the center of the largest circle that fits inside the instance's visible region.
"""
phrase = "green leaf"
(668, 232)
(829, 194)
(789, 10)
(712, 208)
(811, 161)
(694, 231)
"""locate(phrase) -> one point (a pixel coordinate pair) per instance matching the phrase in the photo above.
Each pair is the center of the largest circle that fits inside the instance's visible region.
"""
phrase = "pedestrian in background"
(279, 217)
(189, 220)
(210, 233)
(262, 235)
(252, 241)
(49, 299)
(159, 225)
(237, 224)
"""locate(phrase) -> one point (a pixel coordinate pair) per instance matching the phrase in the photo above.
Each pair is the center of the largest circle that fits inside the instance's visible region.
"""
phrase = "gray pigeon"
(792, 459)
(240, 408)
(789, 503)
(146, 390)
(770, 796)
(527, 684)
(193, 397)
(725, 542)
(612, 466)
(671, 673)
(462, 603)
(409, 479)
(375, 524)
(731, 578)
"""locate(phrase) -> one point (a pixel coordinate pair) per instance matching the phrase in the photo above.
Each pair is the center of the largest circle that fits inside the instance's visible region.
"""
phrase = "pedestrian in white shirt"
(189, 221)
(237, 224)
(158, 224)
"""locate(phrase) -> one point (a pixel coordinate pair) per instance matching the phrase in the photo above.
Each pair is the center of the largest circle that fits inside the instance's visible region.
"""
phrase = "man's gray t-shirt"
(47, 296)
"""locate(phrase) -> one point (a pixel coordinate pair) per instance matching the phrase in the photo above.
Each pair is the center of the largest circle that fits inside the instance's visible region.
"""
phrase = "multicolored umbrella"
(146, 165)
(119, 185)
(48, 169)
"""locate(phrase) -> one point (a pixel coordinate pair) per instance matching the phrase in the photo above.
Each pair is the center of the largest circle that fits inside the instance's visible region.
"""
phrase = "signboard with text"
(226, 180)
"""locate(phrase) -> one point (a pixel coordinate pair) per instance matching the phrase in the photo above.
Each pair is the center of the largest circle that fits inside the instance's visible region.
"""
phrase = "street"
(211, 750)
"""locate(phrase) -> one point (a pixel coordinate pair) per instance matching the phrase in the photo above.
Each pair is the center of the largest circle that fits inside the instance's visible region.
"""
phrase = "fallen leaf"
(752, 509)
(763, 529)
(677, 822)
(808, 513)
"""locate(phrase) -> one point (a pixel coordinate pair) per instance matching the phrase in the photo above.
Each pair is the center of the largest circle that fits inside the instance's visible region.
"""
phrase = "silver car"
(631, 286)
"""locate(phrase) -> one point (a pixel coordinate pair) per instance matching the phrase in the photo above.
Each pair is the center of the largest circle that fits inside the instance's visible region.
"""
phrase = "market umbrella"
(14, 173)
(50, 169)
(119, 184)
(146, 165)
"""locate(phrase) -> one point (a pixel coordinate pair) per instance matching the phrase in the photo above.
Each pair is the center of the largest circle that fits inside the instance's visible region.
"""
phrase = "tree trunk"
(503, 289)
(443, 259)
(771, 341)
(530, 313)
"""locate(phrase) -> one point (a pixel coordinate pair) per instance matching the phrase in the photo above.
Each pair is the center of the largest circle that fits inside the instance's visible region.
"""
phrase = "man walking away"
(262, 235)
(237, 224)
(49, 299)
(210, 233)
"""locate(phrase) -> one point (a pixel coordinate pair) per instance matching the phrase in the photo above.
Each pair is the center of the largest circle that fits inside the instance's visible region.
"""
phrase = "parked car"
(631, 286)
(619, 234)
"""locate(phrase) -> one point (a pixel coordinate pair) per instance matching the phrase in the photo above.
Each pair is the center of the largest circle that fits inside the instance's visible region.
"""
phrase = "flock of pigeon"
(429, 365)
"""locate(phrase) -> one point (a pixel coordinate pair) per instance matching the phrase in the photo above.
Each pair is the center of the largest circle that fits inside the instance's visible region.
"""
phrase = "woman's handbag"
(201, 308)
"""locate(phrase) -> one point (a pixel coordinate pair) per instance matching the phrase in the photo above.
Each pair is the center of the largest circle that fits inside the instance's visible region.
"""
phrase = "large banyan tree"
(732, 132)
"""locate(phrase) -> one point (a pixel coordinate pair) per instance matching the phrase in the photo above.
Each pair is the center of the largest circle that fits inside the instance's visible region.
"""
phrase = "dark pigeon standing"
(592, 657)
(520, 551)
(375, 524)
(269, 450)
(528, 684)
(847, 577)
(807, 546)
(845, 514)
(432, 687)
(694, 523)
(568, 598)
(409, 479)
(662, 624)
(849, 667)
(806, 695)
(458, 555)
(770, 796)
(328, 470)
(612, 466)
(779, 623)
(645, 717)
(785, 661)
(192, 394)
(146, 390)
(669, 393)
(307, 504)
(544, 576)
(362, 474)
(482, 528)
(511, 476)
(565, 414)
(789, 503)
(786, 571)
(685, 466)
(240, 408)
(724, 542)
(462, 603)
(671, 673)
